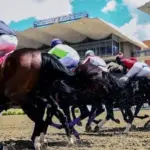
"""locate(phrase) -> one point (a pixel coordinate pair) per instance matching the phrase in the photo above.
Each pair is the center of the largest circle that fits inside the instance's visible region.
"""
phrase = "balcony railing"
(141, 53)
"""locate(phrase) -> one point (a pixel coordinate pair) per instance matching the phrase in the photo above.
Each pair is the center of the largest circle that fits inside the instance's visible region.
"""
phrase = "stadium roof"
(145, 8)
(72, 32)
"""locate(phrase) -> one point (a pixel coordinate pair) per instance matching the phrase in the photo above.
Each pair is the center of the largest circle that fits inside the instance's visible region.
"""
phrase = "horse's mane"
(50, 62)
(89, 72)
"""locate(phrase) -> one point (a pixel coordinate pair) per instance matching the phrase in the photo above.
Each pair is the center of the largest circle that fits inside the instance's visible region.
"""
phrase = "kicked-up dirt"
(15, 133)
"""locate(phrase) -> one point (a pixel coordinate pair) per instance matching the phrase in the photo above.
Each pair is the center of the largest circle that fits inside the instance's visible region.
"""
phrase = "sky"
(20, 14)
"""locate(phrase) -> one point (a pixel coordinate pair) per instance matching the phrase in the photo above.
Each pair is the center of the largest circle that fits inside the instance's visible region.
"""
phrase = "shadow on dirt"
(83, 143)
(28, 145)
(110, 131)
(18, 145)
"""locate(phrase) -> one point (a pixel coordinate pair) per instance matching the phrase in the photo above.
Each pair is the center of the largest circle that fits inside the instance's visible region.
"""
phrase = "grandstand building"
(82, 33)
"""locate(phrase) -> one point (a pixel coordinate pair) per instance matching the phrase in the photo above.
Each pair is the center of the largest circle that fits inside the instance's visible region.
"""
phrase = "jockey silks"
(66, 55)
(97, 61)
(4, 29)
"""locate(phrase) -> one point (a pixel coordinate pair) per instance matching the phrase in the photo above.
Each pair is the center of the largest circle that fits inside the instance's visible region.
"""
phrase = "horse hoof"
(43, 138)
(98, 121)
(96, 129)
(118, 121)
(133, 127)
(79, 123)
(147, 125)
(78, 141)
(70, 142)
(124, 133)
(88, 128)
(37, 146)
(44, 146)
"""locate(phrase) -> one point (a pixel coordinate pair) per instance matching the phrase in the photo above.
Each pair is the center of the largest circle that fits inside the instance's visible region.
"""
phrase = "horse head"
(86, 72)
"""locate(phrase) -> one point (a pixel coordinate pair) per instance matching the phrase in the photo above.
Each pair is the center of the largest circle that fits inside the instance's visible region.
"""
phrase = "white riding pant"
(8, 43)
(69, 62)
(139, 69)
(97, 61)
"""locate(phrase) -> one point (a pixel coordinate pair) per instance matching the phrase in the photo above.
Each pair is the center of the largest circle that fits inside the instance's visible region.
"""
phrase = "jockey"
(66, 54)
(134, 67)
(95, 60)
(8, 39)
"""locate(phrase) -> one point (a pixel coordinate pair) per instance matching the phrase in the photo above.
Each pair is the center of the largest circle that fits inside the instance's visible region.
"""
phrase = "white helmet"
(89, 53)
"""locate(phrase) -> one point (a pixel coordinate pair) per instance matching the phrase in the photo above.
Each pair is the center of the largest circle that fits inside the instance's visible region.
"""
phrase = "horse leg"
(138, 107)
(84, 113)
(35, 115)
(98, 112)
(47, 122)
(73, 111)
(63, 119)
(74, 115)
(130, 120)
(4, 103)
(94, 113)
(110, 115)
(2, 108)
(132, 116)
(67, 113)
(140, 117)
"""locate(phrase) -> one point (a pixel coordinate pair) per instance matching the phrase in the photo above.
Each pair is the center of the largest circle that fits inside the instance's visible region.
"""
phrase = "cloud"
(16, 10)
(140, 31)
(110, 6)
(137, 27)
(135, 3)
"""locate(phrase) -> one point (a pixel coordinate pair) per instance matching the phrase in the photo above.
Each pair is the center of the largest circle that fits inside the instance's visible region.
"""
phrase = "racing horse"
(128, 102)
(27, 73)
(136, 94)
(92, 86)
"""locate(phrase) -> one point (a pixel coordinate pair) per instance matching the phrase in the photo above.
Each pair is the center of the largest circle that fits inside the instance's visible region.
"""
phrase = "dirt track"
(17, 130)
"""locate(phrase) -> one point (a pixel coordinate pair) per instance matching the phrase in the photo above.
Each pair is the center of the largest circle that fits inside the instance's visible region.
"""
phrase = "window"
(98, 51)
(103, 51)
(109, 51)
(101, 47)
(115, 47)
(115, 50)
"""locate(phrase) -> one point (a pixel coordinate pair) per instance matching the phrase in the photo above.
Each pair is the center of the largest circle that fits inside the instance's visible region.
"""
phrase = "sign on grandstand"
(60, 19)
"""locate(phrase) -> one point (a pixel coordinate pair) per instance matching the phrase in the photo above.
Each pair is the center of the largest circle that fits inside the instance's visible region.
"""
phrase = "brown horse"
(26, 73)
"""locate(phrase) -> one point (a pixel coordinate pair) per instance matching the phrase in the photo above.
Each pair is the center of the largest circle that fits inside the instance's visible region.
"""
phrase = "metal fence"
(140, 53)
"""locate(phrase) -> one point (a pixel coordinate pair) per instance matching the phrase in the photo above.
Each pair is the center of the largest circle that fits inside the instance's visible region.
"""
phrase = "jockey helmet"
(55, 42)
(120, 55)
(89, 53)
